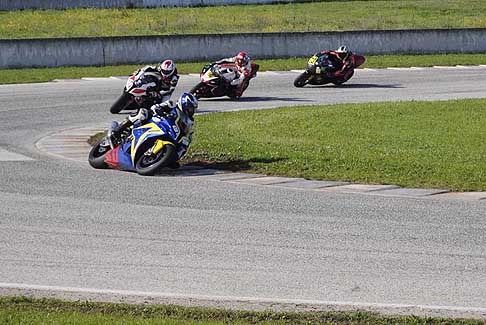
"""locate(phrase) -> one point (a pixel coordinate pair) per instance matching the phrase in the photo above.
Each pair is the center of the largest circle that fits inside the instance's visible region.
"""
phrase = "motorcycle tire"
(302, 79)
(198, 90)
(148, 165)
(340, 82)
(121, 103)
(97, 154)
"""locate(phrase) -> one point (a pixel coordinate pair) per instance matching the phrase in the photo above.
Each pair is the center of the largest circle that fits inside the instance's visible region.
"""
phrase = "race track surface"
(109, 233)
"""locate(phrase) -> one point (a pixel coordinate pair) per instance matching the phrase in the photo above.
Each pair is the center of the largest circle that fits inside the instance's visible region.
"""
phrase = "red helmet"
(167, 68)
(242, 59)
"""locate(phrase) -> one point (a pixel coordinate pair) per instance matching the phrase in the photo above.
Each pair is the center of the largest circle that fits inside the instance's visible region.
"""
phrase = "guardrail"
(71, 4)
(24, 53)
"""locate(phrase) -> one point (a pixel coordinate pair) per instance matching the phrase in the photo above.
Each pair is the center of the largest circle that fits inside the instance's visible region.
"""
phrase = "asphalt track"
(70, 231)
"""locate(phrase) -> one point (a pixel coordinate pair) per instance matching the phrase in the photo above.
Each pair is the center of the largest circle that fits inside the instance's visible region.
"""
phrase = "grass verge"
(10, 76)
(294, 17)
(49, 311)
(411, 144)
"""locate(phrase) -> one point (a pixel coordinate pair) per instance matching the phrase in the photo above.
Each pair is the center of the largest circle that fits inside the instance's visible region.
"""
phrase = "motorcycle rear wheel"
(121, 103)
(302, 79)
(97, 154)
(148, 165)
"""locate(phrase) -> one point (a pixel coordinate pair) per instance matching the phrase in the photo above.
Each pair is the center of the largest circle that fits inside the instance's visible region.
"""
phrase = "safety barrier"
(23, 53)
(57, 4)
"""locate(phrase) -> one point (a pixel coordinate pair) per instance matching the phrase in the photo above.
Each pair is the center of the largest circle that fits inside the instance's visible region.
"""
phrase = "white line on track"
(11, 156)
(233, 301)
(270, 73)
(96, 78)
(444, 67)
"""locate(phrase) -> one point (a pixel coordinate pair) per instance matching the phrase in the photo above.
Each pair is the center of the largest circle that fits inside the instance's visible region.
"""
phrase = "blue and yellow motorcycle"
(145, 149)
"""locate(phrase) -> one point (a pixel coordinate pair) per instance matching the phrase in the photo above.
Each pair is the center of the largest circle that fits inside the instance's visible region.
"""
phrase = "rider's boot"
(116, 129)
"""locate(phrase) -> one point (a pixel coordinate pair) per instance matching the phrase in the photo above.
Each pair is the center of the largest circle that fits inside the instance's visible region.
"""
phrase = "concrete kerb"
(116, 50)
(72, 144)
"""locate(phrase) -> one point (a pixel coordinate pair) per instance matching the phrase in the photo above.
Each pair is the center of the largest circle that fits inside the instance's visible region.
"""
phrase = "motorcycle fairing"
(118, 159)
(137, 84)
(141, 134)
(123, 156)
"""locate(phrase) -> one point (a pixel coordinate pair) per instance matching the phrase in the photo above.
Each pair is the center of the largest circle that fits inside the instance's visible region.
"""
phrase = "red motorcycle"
(323, 69)
(216, 80)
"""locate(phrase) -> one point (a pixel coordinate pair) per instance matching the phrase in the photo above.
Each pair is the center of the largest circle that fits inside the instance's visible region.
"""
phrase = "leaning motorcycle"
(320, 71)
(135, 94)
(216, 80)
(145, 149)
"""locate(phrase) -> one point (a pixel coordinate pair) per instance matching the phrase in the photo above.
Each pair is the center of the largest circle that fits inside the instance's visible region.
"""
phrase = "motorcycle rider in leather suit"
(182, 112)
(162, 79)
(243, 63)
(343, 61)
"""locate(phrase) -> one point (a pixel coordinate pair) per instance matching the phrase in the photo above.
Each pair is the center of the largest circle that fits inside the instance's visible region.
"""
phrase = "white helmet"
(343, 52)
(167, 68)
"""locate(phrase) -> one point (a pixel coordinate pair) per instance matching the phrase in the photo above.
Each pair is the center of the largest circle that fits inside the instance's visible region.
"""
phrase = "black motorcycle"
(321, 70)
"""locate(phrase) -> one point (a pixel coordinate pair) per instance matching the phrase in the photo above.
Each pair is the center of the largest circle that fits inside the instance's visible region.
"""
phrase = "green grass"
(8, 76)
(411, 144)
(49, 311)
(317, 16)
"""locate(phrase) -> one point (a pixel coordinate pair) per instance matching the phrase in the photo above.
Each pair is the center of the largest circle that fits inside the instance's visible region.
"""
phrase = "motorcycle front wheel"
(149, 163)
(302, 79)
(97, 154)
(199, 90)
(121, 103)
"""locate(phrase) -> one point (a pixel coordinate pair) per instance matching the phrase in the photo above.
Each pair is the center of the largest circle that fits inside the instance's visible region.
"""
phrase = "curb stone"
(72, 144)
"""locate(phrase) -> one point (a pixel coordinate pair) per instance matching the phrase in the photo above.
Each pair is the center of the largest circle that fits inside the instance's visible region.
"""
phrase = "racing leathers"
(183, 126)
(343, 69)
(241, 80)
(160, 87)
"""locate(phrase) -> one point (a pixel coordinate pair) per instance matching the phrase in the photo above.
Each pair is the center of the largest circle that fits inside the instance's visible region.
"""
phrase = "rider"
(243, 63)
(182, 112)
(164, 78)
(343, 60)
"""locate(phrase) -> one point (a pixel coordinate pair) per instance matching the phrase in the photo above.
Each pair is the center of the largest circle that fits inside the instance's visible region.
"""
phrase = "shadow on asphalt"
(191, 167)
(255, 99)
(357, 86)
(233, 165)
(370, 86)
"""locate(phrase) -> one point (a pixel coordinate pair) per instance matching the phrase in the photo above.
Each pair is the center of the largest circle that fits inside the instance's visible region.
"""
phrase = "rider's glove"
(162, 108)
(154, 94)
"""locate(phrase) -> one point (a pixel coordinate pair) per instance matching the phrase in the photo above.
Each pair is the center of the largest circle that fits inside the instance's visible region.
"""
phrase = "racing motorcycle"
(145, 149)
(216, 80)
(135, 93)
(320, 70)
